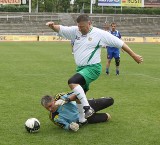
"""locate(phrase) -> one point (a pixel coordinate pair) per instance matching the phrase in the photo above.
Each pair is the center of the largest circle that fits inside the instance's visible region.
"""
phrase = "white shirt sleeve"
(68, 32)
(111, 40)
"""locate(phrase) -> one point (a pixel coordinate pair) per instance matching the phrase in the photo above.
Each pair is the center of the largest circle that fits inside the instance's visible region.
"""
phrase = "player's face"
(113, 27)
(106, 27)
(84, 27)
(51, 106)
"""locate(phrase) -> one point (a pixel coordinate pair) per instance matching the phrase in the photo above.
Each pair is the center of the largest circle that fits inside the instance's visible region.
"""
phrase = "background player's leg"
(117, 63)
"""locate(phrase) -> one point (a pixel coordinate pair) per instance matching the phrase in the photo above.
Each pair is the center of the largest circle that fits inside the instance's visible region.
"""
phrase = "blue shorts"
(113, 52)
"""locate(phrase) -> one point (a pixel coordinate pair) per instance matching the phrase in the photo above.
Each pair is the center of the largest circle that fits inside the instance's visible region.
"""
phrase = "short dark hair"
(83, 18)
(113, 23)
(46, 99)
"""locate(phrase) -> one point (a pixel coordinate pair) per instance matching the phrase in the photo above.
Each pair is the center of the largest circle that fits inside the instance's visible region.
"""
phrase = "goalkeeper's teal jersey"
(66, 113)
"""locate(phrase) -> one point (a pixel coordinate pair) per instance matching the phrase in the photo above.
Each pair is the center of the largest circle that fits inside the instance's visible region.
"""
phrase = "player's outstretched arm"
(56, 28)
(63, 101)
(136, 57)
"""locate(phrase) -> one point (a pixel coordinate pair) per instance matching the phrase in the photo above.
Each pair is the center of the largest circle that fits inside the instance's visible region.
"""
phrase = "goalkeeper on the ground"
(64, 112)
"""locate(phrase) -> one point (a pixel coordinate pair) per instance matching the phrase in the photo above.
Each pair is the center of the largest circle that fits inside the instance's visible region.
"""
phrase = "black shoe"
(88, 111)
(107, 73)
(83, 123)
(117, 73)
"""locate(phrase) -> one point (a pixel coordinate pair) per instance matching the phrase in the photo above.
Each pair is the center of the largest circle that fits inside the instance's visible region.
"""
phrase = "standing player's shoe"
(107, 73)
(117, 72)
(109, 116)
(88, 111)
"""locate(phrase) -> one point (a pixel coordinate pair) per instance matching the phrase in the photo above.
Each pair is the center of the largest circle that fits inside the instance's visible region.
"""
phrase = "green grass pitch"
(29, 70)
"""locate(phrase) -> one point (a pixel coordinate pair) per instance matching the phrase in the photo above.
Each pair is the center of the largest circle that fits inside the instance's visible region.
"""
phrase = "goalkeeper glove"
(74, 126)
(61, 102)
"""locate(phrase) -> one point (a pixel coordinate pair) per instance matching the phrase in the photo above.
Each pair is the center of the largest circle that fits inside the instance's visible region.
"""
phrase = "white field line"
(143, 75)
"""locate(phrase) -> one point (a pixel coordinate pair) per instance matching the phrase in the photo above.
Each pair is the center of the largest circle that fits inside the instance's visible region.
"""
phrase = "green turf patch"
(29, 70)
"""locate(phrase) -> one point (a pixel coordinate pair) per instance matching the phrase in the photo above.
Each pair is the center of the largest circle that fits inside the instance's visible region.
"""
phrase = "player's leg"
(97, 105)
(101, 103)
(99, 117)
(81, 114)
(75, 83)
(117, 61)
(109, 58)
(83, 78)
(107, 66)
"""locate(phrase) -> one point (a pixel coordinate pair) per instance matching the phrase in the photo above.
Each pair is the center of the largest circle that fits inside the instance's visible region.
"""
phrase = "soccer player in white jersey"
(87, 50)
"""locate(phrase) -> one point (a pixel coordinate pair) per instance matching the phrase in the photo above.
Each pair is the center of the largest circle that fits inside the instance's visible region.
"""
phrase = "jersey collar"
(90, 29)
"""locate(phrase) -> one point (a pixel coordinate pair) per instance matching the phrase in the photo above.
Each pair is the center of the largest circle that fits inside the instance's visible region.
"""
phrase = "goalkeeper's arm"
(62, 101)
(65, 125)
(74, 126)
(60, 121)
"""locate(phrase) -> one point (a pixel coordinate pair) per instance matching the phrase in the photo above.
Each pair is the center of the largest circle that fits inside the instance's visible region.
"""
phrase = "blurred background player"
(64, 113)
(107, 26)
(112, 51)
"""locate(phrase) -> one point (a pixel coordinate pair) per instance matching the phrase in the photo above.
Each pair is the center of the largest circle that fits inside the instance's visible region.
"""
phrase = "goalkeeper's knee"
(101, 103)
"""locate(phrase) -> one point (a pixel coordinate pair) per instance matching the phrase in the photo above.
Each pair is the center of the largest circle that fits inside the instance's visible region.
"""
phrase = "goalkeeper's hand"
(74, 126)
(60, 102)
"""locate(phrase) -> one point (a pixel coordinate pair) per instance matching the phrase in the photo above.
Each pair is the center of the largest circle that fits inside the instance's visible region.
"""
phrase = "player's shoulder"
(74, 27)
(117, 32)
(97, 29)
(53, 115)
(55, 118)
(100, 32)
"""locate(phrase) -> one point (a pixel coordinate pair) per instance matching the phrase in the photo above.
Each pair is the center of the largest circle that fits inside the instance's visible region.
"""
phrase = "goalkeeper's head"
(48, 102)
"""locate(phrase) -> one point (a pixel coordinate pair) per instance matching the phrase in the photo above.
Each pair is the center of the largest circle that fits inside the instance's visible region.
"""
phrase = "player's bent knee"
(117, 61)
(77, 79)
(108, 100)
(71, 81)
(111, 100)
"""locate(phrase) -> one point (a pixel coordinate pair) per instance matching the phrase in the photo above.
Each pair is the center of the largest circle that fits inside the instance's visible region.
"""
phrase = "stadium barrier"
(151, 39)
(18, 38)
(58, 38)
(133, 39)
(141, 39)
(51, 38)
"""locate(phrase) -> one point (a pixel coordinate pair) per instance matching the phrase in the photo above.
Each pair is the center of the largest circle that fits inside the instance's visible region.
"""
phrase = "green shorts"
(90, 73)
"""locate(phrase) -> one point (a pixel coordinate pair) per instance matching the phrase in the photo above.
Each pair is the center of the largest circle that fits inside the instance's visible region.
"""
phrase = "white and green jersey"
(87, 47)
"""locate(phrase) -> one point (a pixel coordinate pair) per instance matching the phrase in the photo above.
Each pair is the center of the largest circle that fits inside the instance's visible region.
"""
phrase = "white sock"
(81, 113)
(78, 90)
